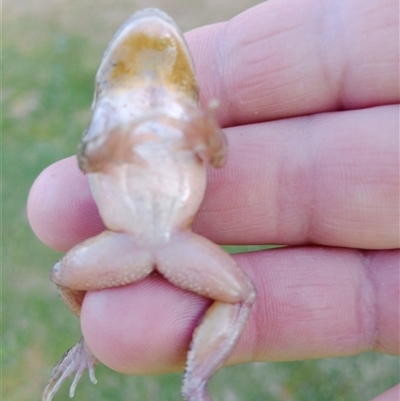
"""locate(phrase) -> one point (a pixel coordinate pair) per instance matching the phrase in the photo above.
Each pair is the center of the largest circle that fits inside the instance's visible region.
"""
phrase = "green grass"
(47, 91)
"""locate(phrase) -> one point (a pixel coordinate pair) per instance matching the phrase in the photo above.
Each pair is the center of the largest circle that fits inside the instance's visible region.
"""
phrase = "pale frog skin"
(145, 153)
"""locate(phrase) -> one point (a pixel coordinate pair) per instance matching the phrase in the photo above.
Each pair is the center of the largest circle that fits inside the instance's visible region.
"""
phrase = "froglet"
(145, 153)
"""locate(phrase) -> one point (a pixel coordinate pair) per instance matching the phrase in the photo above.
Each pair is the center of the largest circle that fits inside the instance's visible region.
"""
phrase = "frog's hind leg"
(108, 260)
(196, 264)
(76, 360)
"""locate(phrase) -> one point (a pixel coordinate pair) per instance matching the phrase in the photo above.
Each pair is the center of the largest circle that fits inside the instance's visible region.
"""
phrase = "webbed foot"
(76, 360)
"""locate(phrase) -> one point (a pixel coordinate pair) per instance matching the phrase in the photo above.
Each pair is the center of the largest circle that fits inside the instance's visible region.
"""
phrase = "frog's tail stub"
(148, 48)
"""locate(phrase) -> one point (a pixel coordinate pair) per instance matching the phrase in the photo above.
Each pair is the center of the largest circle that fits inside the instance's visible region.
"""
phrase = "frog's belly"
(149, 201)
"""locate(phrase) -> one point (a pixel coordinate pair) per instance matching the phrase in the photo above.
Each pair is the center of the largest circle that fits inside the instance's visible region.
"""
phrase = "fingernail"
(55, 274)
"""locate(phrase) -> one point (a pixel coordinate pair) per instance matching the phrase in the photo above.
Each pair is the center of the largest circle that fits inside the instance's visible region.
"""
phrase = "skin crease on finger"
(321, 186)
(62, 212)
(358, 67)
(301, 58)
(312, 303)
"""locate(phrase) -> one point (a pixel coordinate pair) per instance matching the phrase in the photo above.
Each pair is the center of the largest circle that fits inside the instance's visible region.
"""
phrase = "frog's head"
(148, 50)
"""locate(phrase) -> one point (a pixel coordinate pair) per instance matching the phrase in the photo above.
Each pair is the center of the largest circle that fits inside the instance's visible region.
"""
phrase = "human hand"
(324, 174)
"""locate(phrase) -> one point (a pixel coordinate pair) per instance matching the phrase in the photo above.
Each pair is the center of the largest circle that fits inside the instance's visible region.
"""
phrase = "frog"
(146, 152)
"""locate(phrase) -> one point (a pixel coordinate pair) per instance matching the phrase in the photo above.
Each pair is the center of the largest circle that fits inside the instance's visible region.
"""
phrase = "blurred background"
(51, 50)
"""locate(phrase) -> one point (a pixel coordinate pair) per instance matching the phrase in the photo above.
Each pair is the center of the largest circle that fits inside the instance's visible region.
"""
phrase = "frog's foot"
(76, 360)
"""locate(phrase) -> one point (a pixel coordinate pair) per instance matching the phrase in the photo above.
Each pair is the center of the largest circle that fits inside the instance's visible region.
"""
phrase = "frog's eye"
(148, 50)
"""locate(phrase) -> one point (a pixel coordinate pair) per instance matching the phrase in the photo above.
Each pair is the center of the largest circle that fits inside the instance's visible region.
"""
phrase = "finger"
(285, 58)
(311, 303)
(390, 395)
(61, 210)
(338, 184)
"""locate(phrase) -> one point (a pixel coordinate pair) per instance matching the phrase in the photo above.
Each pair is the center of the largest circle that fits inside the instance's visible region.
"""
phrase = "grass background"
(51, 49)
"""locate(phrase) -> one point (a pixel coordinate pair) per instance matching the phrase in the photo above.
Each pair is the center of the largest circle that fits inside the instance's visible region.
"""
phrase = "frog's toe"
(75, 361)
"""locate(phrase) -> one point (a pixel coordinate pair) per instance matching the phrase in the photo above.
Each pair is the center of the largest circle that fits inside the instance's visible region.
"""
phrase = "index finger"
(283, 58)
(337, 187)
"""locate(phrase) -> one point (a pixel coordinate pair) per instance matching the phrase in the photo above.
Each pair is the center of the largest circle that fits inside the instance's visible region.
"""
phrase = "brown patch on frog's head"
(148, 51)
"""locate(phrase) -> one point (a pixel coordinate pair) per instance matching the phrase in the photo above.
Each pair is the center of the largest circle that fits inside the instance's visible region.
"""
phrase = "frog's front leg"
(108, 260)
(194, 263)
